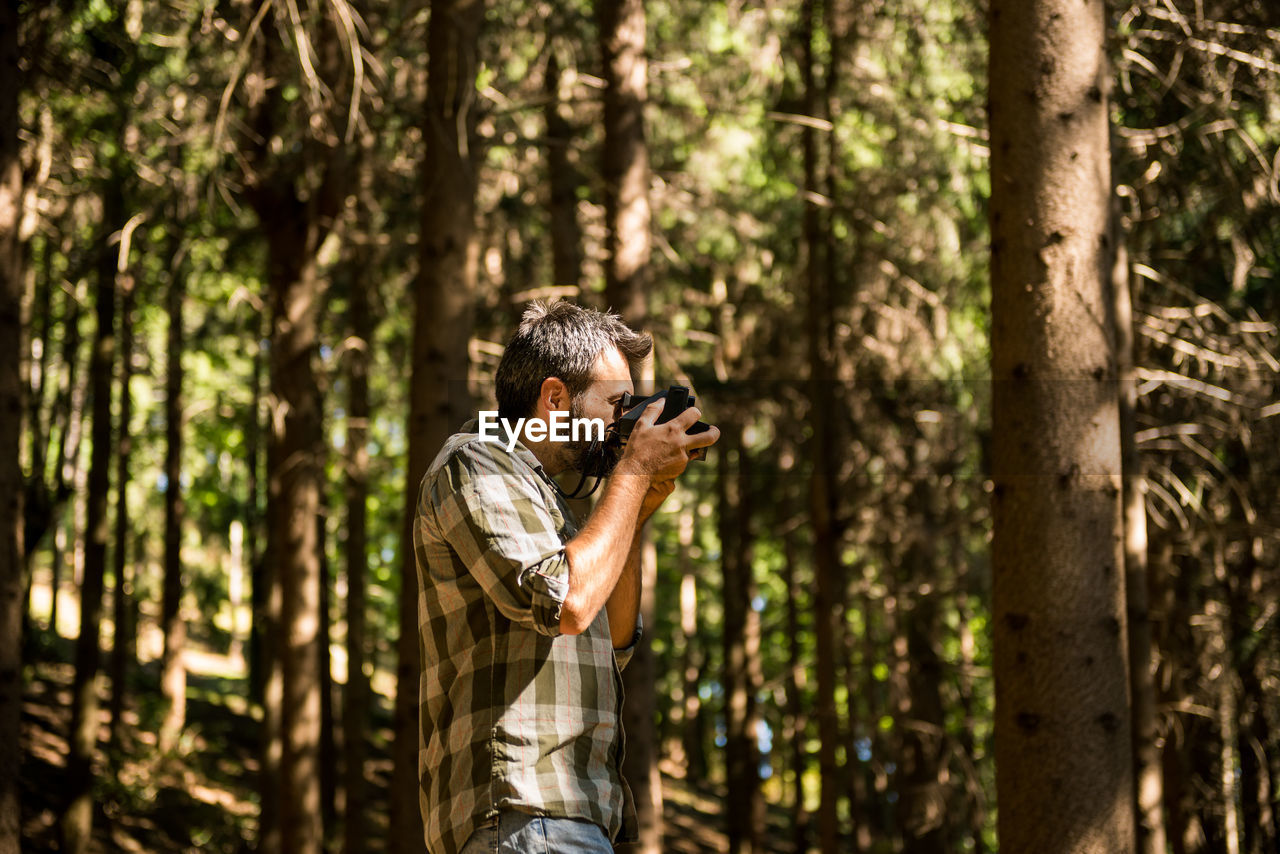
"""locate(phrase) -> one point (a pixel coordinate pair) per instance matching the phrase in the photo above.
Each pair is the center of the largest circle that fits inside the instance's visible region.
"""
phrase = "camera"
(600, 457)
(677, 399)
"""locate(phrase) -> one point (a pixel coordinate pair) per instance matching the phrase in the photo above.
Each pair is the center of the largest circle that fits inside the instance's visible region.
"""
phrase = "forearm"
(623, 605)
(601, 552)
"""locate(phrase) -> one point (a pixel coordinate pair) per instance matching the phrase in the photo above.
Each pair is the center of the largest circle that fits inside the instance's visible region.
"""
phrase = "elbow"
(573, 619)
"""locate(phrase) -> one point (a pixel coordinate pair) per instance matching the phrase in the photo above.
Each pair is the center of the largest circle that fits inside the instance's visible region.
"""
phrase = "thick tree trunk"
(439, 400)
(1064, 766)
(297, 191)
(77, 820)
(355, 708)
(11, 514)
(744, 804)
(173, 672)
(293, 475)
(121, 644)
(625, 169)
(625, 162)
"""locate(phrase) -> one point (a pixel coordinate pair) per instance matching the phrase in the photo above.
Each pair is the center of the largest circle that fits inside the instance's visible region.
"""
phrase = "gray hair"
(560, 340)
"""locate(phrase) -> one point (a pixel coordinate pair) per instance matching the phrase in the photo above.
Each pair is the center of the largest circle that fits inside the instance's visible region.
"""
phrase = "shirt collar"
(521, 452)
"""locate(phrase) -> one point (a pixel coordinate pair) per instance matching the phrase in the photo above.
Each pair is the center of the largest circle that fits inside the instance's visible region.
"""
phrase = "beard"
(592, 458)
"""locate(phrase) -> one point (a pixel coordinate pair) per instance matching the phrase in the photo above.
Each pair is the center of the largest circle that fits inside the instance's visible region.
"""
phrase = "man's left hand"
(658, 492)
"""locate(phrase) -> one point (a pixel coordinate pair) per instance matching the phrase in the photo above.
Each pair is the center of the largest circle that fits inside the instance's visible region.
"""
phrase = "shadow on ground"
(203, 797)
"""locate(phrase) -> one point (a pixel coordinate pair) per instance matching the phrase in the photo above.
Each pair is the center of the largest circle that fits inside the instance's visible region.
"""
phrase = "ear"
(554, 395)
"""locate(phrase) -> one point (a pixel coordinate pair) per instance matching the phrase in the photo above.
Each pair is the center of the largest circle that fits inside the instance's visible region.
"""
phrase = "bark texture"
(439, 401)
(625, 169)
(1062, 731)
(625, 165)
(293, 501)
(296, 187)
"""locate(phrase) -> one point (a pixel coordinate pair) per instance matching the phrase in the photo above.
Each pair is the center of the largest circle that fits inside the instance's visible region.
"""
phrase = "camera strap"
(595, 463)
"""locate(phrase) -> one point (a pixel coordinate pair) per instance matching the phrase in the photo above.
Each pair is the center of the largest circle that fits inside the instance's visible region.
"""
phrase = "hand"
(662, 451)
(658, 492)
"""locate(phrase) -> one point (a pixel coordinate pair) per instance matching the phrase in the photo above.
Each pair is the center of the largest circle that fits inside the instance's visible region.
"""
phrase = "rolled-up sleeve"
(498, 520)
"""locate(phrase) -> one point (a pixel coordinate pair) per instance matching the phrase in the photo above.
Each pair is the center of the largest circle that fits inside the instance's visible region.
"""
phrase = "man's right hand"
(662, 451)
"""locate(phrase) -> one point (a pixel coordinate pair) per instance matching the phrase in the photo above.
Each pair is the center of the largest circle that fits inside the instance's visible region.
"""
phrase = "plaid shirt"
(514, 715)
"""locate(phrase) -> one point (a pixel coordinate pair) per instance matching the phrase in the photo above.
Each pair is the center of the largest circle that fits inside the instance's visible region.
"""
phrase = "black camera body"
(677, 399)
(600, 458)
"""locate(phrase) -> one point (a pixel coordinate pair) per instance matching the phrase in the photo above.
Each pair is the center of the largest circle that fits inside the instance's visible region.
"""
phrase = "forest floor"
(203, 797)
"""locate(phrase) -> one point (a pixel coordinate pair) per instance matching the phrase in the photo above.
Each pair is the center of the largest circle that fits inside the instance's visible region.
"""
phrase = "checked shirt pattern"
(514, 715)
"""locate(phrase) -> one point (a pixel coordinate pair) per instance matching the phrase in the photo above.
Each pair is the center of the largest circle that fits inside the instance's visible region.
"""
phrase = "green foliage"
(133, 93)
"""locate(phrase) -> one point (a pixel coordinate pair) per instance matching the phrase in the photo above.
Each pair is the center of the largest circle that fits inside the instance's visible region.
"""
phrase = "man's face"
(611, 378)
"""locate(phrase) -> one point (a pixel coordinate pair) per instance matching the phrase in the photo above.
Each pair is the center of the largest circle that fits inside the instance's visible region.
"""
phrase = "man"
(525, 618)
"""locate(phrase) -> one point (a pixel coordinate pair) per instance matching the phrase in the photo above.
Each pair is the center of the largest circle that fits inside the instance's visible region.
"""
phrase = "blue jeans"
(520, 833)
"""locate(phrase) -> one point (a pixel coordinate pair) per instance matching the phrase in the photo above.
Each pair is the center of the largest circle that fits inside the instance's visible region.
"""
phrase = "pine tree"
(1063, 750)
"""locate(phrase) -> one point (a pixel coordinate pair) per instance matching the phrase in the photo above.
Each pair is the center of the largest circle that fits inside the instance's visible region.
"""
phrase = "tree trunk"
(562, 183)
(1064, 772)
(67, 408)
(39, 510)
(11, 528)
(855, 776)
(293, 500)
(796, 684)
(822, 500)
(439, 400)
(324, 669)
(975, 801)
(639, 719)
(1147, 779)
(692, 737)
(259, 574)
(625, 161)
(173, 672)
(355, 708)
(921, 725)
(77, 820)
(625, 170)
(1228, 726)
(744, 804)
(121, 647)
